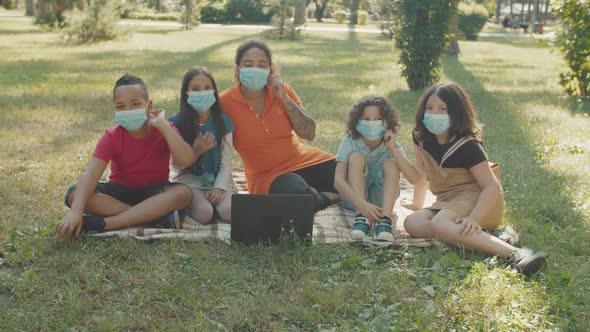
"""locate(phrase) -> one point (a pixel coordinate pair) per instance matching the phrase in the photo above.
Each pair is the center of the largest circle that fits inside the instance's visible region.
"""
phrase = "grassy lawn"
(55, 102)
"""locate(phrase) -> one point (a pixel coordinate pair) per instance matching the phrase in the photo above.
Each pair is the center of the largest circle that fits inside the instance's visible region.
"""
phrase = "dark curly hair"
(461, 113)
(389, 114)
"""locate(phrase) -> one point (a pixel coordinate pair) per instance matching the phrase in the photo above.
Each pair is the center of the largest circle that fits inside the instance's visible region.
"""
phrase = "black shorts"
(127, 195)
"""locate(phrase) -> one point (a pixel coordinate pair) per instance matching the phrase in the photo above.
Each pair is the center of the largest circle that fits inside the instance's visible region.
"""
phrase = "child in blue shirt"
(368, 167)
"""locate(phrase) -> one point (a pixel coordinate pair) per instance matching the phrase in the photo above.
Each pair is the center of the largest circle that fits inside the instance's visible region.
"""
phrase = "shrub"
(9, 4)
(98, 23)
(253, 11)
(573, 42)
(340, 16)
(284, 28)
(363, 17)
(472, 18)
(212, 14)
(420, 33)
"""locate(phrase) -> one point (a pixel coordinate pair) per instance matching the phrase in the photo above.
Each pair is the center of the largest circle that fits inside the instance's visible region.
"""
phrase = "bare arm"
(224, 177)
(303, 124)
(490, 190)
(367, 209)
(72, 222)
(182, 153)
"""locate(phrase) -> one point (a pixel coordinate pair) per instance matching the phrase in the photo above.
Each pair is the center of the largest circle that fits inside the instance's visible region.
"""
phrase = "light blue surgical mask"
(131, 119)
(371, 129)
(253, 78)
(201, 101)
(436, 123)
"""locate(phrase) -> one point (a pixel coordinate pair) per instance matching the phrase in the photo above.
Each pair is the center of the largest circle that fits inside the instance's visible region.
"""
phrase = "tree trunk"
(453, 49)
(354, 12)
(81, 4)
(30, 7)
(44, 7)
(511, 8)
(498, 5)
(547, 3)
(299, 12)
(320, 9)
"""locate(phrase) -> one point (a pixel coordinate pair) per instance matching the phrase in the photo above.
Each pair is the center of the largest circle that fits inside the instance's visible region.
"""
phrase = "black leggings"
(310, 180)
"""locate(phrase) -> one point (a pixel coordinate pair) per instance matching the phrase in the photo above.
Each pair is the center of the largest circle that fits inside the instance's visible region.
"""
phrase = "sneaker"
(508, 235)
(360, 227)
(92, 224)
(171, 221)
(383, 230)
(528, 261)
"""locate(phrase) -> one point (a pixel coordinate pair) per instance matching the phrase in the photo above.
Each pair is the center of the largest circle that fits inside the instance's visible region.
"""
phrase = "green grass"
(56, 101)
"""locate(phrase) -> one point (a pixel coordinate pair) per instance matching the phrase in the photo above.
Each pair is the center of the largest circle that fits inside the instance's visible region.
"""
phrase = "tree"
(573, 42)
(354, 8)
(189, 18)
(420, 33)
(98, 23)
(30, 8)
(300, 6)
(283, 11)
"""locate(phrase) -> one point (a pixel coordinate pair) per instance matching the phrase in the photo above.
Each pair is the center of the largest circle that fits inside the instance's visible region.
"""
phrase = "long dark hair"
(190, 128)
(388, 113)
(461, 113)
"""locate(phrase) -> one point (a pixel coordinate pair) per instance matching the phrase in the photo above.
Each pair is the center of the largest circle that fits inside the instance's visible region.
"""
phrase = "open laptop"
(263, 218)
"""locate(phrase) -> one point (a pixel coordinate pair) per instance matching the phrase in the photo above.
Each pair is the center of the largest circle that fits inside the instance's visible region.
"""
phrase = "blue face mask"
(201, 101)
(253, 78)
(371, 129)
(436, 123)
(131, 119)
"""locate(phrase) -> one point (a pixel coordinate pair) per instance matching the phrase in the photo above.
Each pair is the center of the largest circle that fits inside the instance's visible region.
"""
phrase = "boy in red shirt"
(138, 191)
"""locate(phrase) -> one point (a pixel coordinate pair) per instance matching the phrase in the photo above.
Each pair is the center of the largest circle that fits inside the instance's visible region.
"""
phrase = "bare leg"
(419, 224)
(224, 208)
(102, 205)
(356, 174)
(200, 209)
(390, 186)
(445, 229)
(174, 198)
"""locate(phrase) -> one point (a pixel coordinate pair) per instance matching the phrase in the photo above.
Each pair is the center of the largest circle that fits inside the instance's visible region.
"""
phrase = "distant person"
(506, 23)
(138, 192)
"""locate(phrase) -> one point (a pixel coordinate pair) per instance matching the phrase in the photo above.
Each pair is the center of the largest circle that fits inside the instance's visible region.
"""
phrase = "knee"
(389, 168)
(202, 213)
(224, 213)
(356, 159)
(183, 194)
(289, 183)
(441, 222)
(411, 225)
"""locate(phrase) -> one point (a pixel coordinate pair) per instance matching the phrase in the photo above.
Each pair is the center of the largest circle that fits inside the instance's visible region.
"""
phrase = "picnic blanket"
(331, 225)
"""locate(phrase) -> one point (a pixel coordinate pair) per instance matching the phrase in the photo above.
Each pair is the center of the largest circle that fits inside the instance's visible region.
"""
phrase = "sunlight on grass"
(56, 102)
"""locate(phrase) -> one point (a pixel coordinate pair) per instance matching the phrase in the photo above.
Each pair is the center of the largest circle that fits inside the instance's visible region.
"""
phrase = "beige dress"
(457, 190)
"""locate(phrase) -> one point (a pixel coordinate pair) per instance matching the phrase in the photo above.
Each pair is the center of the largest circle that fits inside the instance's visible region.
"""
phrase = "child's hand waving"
(157, 118)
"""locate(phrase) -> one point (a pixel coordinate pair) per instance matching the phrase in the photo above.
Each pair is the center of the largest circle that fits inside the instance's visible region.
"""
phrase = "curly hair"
(388, 113)
(461, 113)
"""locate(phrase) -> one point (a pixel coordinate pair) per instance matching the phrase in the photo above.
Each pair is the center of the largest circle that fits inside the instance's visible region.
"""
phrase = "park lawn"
(55, 102)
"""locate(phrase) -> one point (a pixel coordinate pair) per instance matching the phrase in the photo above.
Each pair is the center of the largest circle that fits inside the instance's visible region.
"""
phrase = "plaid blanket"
(331, 225)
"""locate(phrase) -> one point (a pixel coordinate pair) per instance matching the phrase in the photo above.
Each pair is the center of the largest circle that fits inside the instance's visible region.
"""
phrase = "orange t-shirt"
(267, 144)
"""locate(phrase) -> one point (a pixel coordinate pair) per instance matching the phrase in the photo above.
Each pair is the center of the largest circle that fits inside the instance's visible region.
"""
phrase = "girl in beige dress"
(469, 198)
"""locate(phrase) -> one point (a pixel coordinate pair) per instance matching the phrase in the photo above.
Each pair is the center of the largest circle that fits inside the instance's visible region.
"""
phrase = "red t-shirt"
(135, 162)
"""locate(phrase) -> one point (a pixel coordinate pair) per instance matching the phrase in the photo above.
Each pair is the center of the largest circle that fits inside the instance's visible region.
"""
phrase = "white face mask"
(436, 123)
(131, 119)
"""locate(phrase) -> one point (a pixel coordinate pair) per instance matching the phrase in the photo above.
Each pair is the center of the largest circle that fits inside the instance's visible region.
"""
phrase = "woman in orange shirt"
(268, 116)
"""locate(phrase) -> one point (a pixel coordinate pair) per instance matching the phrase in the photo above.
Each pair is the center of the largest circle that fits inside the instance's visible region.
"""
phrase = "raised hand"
(276, 84)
